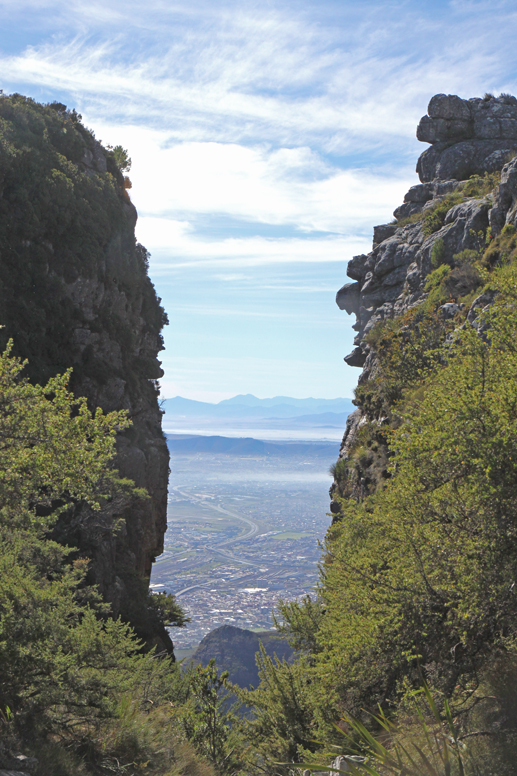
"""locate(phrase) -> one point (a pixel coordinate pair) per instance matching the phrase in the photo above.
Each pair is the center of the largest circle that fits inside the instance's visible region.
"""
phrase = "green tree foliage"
(53, 451)
(121, 157)
(72, 679)
(299, 623)
(282, 727)
(419, 578)
(207, 720)
(53, 454)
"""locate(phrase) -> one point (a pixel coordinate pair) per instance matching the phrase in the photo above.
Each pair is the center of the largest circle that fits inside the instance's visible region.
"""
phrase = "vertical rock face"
(443, 218)
(75, 294)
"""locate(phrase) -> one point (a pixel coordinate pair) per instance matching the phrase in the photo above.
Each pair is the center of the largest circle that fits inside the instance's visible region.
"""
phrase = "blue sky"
(267, 139)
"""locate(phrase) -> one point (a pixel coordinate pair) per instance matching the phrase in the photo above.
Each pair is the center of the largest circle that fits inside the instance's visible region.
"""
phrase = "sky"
(267, 139)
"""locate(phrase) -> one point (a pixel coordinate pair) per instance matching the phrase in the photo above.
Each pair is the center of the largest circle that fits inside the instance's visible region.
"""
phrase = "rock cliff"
(446, 236)
(75, 294)
(234, 650)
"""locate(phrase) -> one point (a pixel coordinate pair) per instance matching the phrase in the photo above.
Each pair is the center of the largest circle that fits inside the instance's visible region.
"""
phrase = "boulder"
(468, 137)
(347, 298)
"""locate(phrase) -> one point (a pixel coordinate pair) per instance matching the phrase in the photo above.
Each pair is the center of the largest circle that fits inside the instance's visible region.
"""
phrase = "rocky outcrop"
(75, 294)
(468, 136)
(439, 216)
(234, 650)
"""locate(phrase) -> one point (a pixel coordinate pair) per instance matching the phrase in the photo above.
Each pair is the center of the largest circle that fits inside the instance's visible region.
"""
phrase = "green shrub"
(480, 186)
(434, 217)
(438, 253)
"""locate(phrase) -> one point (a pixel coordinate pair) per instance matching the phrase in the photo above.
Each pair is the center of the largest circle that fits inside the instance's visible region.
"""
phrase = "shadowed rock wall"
(75, 293)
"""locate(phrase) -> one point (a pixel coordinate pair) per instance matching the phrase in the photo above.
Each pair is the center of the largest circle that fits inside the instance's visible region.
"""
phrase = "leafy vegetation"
(418, 575)
(433, 217)
(75, 685)
(418, 578)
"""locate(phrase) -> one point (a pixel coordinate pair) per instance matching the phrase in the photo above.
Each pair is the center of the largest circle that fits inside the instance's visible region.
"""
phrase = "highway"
(200, 500)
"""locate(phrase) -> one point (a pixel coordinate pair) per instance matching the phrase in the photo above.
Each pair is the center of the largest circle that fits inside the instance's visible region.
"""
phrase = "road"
(200, 500)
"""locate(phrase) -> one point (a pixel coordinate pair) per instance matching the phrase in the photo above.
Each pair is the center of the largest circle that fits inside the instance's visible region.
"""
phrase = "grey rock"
(395, 278)
(353, 422)
(391, 278)
(419, 193)
(467, 137)
(474, 212)
(413, 277)
(342, 764)
(449, 106)
(487, 127)
(463, 159)
(356, 268)
(441, 188)
(347, 298)
(391, 255)
(381, 233)
(448, 310)
(479, 305)
(356, 358)
(407, 209)
(504, 208)
(436, 130)
(14, 773)
(17, 764)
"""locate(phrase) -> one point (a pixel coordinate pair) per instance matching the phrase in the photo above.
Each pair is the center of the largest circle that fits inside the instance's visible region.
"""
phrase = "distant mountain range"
(248, 406)
(186, 443)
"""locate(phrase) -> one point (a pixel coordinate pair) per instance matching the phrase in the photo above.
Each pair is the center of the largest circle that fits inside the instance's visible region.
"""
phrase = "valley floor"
(243, 531)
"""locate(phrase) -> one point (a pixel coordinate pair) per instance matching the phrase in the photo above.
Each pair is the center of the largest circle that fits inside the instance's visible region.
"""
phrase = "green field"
(291, 535)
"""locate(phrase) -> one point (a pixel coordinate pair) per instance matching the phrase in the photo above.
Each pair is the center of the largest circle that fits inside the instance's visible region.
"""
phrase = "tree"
(419, 579)
(207, 719)
(282, 727)
(61, 656)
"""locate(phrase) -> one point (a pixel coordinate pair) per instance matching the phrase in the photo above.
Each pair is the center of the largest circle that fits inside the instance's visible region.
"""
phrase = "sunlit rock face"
(391, 277)
(476, 137)
(468, 137)
(75, 293)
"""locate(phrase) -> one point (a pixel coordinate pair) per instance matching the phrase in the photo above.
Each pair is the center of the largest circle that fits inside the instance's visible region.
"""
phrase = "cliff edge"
(427, 269)
(75, 293)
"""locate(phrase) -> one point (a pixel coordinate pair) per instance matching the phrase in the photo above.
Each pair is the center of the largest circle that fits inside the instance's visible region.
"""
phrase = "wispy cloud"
(245, 73)
(173, 250)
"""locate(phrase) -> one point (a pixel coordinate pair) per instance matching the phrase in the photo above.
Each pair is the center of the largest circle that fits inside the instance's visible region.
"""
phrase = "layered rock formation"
(448, 214)
(75, 293)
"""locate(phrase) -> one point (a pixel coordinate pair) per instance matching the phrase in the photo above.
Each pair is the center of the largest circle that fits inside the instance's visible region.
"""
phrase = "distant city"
(245, 519)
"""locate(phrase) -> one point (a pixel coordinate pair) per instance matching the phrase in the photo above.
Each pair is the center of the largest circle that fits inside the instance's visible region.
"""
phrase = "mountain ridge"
(180, 406)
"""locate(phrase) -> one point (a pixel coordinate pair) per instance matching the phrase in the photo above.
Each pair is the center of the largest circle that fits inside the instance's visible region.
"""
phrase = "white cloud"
(173, 248)
(236, 74)
(258, 185)
(181, 189)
